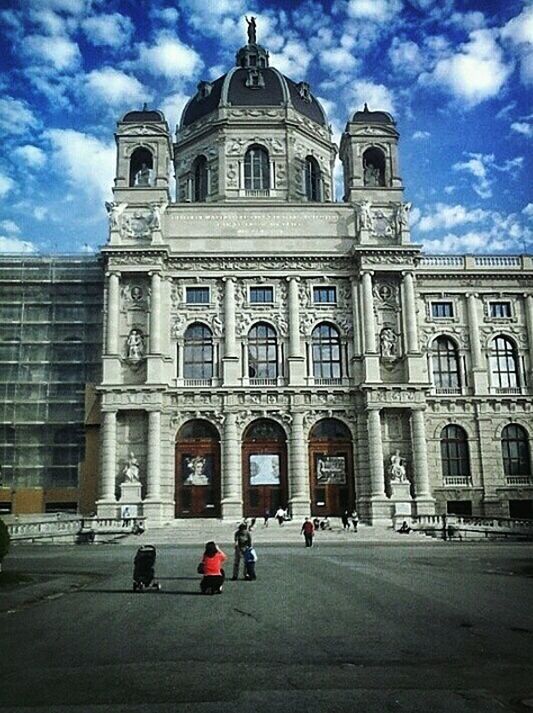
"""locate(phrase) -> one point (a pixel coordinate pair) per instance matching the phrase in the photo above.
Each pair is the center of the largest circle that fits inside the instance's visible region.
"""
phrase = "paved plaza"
(345, 626)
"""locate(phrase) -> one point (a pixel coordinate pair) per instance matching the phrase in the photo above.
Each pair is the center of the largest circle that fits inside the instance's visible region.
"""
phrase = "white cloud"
(9, 226)
(377, 96)
(89, 162)
(115, 87)
(406, 57)
(475, 73)
(523, 127)
(449, 190)
(421, 135)
(72, 7)
(528, 210)
(449, 216)
(32, 155)
(172, 107)
(167, 15)
(15, 245)
(293, 59)
(113, 30)
(40, 212)
(60, 52)
(16, 117)
(220, 18)
(374, 10)
(337, 59)
(6, 185)
(48, 20)
(478, 165)
(519, 29)
(468, 21)
(170, 58)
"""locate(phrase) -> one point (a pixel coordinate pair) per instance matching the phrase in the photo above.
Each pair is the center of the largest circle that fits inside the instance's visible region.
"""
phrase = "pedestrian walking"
(252, 524)
(345, 519)
(280, 516)
(241, 539)
(266, 518)
(308, 530)
(355, 520)
(211, 568)
(250, 558)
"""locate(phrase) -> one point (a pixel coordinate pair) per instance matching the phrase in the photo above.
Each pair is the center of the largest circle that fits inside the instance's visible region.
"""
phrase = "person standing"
(308, 531)
(280, 516)
(345, 520)
(250, 558)
(241, 539)
(266, 518)
(211, 568)
(355, 520)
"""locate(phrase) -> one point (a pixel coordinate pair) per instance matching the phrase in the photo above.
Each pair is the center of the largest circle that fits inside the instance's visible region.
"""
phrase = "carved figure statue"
(143, 176)
(131, 469)
(366, 215)
(252, 35)
(402, 216)
(157, 210)
(371, 175)
(135, 345)
(389, 342)
(397, 470)
(114, 211)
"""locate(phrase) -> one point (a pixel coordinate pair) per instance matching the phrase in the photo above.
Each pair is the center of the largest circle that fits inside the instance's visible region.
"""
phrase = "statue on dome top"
(252, 36)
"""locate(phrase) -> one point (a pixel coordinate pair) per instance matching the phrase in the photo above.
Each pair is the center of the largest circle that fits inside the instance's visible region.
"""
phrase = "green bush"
(4, 541)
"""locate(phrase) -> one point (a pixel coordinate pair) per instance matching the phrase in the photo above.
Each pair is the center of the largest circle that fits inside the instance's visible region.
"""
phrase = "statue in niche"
(371, 175)
(135, 344)
(366, 215)
(131, 470)
(157, 211)
(252, 31)
(136, 293)
(114, 211)
(397, 471)
(402, 217)
(143, 176)
(389, 342)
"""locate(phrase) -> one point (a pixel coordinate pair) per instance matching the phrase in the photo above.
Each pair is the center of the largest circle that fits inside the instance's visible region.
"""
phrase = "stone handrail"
(44, 529)
(448, 524)
(479, 262)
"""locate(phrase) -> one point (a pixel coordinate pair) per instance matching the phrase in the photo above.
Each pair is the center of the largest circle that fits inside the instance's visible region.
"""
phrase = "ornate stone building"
(266, 346)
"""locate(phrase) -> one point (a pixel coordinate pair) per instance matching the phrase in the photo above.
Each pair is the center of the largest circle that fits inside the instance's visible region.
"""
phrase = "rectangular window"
(441, 310)
(500, 310)
(261, 295)
(197, 295)
(325, 295)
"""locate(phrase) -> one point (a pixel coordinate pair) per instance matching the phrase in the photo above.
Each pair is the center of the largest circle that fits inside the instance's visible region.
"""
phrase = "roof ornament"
(252, 27)
(145, 107)
(366, 107)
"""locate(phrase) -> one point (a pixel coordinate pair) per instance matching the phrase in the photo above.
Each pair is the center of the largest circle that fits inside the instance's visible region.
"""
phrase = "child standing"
(250, 558)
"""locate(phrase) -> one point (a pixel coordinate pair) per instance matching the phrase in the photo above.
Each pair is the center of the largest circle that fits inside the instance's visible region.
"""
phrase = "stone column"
(155, 314)
(411, 329)
(473, 324)
(294, 319)
(231, 469)
(229, 318)
(355, 317)
(113, 306)
(375, 454)
(369, 322)
(425, 503)
(109, 456)
(529, 323)
(298, 475)
(154, 456)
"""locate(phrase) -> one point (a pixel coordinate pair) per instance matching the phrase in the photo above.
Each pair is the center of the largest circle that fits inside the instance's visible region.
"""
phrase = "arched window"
(141, 167)
(256, 169)
(312, 179)
(454, 451)
(445, 364)
(198, 352)
(326, 351)
(503, 363)
(262, 352)
(200, 179)
(373, 167)
(515, 450)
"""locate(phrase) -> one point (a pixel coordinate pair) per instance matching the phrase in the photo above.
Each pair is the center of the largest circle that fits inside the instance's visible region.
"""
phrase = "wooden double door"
(264, 469)
(331, 477)
(198, 492)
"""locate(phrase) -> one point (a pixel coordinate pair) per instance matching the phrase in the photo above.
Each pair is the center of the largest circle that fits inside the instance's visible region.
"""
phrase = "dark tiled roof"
(199, 107)
(142, 116)
(310, 109)
(372, 117)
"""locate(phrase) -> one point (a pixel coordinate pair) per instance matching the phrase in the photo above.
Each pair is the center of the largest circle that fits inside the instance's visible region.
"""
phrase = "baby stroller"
(143, 569)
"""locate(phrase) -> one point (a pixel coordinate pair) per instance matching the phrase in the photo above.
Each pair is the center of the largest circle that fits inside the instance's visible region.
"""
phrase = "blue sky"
(456, 74)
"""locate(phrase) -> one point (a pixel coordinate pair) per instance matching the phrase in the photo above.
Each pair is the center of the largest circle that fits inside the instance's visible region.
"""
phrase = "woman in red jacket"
(212, 562)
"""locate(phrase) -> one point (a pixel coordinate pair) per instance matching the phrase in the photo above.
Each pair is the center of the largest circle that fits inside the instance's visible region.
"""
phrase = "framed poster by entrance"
(330, 470)
(264, 469)
(197, 469)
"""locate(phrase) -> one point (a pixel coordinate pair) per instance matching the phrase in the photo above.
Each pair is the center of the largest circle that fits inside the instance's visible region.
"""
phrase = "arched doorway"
(264, 468)
(331, 468)
(198, 470)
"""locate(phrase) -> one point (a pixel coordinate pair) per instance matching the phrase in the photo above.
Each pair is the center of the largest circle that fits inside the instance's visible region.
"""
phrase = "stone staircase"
(199, 531)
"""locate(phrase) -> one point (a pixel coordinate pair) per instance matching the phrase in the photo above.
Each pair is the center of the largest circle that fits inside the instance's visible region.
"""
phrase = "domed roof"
(143, 116)
(372, 117)
(252, 83)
